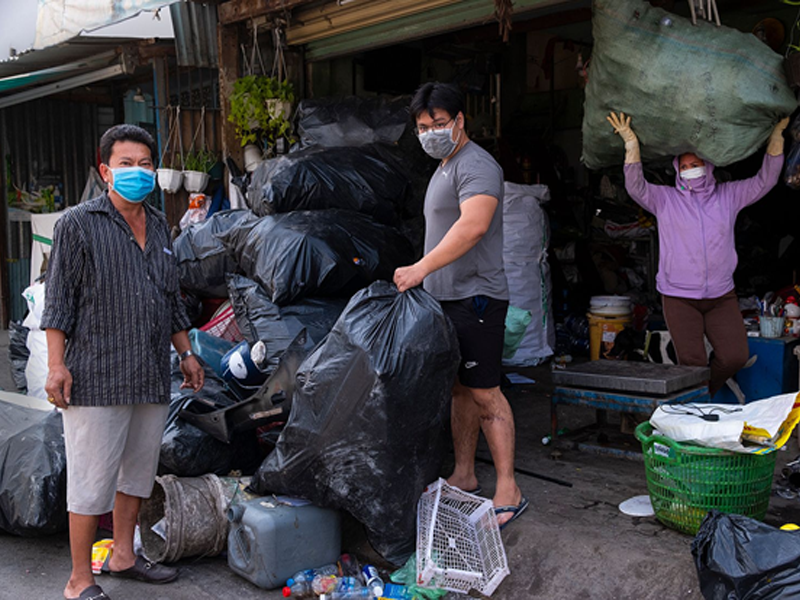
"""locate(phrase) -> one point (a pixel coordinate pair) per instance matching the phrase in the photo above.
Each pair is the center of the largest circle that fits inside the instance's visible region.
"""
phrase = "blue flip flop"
(476, 492)
(514, 510)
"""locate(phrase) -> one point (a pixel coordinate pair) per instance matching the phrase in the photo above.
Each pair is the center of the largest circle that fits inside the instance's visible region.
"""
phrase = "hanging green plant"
(201, 161)
(260, 108)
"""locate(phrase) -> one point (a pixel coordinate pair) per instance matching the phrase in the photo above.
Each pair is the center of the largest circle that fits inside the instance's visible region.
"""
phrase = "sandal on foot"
(148, 572)
(514, 510)
(93, 592)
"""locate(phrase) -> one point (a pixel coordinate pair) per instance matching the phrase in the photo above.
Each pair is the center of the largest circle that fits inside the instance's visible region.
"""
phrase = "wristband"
(185, 355)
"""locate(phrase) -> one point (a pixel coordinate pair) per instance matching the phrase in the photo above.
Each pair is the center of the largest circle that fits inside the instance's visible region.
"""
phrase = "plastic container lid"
(610, 305)
(638, 506)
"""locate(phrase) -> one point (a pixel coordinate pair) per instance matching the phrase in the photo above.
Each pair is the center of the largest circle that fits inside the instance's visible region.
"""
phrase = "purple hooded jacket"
(697, 253)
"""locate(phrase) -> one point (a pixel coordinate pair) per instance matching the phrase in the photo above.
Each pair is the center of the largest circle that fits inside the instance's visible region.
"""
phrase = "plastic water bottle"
(372, 580)
(348, 565)
(324, 584)
(348, 595)
(299, 589)
(309, 574)
(349, 583)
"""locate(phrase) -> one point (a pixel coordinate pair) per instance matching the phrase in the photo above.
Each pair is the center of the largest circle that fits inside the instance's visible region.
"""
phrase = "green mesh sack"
(699, 88)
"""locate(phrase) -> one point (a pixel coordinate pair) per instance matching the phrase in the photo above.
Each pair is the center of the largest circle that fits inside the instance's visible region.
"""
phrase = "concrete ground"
(573, 542)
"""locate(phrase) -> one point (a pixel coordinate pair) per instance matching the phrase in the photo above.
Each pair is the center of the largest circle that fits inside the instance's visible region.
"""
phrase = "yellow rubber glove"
(775, 144)
(622, 126)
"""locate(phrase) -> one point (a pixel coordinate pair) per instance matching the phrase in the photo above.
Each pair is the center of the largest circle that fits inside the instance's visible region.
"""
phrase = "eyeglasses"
(420, 129)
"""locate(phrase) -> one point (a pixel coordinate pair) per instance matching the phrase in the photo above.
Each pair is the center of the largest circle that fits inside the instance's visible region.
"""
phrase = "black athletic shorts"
(480, 323)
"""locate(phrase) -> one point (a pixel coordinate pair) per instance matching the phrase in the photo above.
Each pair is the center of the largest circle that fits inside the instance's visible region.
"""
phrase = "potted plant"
(196, 165)
(170, 176)
(260, 109)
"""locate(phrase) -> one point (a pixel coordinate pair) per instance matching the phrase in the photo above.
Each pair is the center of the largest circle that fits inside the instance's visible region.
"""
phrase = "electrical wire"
(707, 413)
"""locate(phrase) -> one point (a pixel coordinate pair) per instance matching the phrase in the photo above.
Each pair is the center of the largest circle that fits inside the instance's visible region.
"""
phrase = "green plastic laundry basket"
(686, 481)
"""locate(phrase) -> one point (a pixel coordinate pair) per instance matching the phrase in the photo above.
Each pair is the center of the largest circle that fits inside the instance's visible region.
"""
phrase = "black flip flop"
(514, 510)
(93, 592)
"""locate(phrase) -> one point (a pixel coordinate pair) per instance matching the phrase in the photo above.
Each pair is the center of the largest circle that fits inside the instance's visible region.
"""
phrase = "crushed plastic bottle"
(299, 589)
(348, 594)
(348, 566)
(349, 583)
(309, 574)
(324, 584)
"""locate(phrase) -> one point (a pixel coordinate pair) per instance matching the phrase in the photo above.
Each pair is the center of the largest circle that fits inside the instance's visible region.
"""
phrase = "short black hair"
(433, 95)
(125, 133)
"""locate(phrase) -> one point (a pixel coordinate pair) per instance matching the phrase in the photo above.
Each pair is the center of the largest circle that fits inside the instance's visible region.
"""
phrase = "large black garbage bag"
(317, 253)
(203, 260)
(33, 471)
(408, 157)
(186, 451)
(368, 418)
(260, 319)
(18, 354)
(739, 558)
(351, 121)
(357, 179)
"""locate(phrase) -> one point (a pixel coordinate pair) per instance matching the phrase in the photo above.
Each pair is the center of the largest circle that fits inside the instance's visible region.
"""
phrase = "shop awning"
(340, 27)
(61, 20)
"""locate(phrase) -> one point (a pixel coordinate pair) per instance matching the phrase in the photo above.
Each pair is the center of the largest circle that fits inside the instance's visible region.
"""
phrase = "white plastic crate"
(458, 541)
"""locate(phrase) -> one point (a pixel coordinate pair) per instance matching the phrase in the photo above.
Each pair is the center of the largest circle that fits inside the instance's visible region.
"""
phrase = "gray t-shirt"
(471, 172)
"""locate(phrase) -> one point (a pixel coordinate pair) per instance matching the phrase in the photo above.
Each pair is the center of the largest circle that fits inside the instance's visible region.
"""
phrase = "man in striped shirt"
(112, 307)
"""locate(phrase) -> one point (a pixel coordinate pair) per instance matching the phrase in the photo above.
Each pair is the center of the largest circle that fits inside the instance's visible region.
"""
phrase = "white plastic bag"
(36, 369)
(758, 427)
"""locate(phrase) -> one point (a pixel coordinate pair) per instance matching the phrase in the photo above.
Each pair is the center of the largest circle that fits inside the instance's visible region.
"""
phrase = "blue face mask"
(133, 183)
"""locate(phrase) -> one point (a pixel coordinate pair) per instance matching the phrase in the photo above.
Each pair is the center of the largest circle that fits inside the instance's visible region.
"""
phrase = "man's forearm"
(56, 347)
(461, 238)
(181, 341)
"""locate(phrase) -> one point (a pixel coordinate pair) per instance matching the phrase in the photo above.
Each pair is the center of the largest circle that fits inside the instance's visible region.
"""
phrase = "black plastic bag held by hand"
(367, 425)
(739, 558)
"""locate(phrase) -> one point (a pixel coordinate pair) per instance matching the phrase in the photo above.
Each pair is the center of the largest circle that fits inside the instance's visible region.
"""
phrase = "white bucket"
(610, 306)
(195, 181)
(170, 180)
(252, 157)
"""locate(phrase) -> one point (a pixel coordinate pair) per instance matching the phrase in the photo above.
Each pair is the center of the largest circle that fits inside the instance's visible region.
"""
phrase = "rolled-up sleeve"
(63, 281)
(180, 320)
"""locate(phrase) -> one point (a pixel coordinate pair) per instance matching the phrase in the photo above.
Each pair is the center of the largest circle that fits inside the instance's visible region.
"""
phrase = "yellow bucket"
(602, 333)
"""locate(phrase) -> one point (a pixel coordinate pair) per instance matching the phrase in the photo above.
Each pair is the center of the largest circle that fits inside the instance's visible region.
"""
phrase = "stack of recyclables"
(686, 481)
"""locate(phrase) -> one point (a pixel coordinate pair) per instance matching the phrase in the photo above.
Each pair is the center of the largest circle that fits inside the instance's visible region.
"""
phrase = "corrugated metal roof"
(195, 27)
(72, 51)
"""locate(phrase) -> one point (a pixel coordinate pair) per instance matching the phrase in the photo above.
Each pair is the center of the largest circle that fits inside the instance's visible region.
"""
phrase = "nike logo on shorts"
(470, 364)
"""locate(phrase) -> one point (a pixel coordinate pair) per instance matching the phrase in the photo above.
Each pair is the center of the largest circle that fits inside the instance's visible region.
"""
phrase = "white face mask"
(695, 173)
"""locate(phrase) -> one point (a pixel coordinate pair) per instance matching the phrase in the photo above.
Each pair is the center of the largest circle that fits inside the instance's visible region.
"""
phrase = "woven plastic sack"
(526, 237)
(458, 541)
(699, 88)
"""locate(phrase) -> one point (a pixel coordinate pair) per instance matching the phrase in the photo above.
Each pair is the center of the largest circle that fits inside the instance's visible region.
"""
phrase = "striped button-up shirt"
(118, 305)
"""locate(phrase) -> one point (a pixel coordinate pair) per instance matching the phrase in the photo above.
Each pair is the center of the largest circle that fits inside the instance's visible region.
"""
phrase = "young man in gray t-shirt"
(463, 269)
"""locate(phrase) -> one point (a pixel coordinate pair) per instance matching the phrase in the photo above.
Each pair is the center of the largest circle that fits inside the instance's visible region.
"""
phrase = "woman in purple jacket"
(697, 253)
